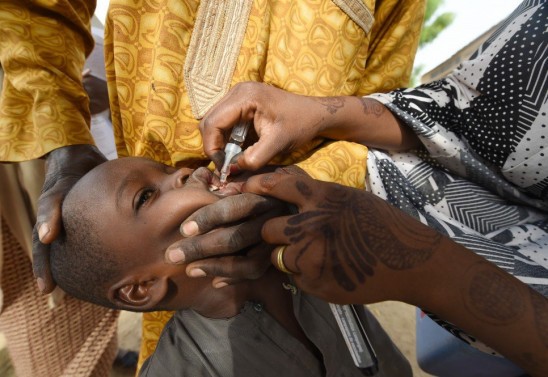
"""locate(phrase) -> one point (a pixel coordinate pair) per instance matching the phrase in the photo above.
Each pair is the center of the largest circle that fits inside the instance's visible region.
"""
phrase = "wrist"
(341, 118)
(437, 284)
(87, 155)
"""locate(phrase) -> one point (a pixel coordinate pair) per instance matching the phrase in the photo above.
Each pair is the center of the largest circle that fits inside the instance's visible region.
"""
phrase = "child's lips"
(231, 188)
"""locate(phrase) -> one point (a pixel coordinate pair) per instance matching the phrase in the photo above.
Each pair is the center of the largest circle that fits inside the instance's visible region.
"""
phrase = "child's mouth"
(230, 188)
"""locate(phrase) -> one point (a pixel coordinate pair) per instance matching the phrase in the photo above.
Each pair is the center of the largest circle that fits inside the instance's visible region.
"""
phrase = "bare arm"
(284, 121)
(348, 246)
(45, 109)
(365, 121)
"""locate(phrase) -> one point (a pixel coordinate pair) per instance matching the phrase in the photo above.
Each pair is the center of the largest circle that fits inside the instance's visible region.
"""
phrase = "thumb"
(257, 155)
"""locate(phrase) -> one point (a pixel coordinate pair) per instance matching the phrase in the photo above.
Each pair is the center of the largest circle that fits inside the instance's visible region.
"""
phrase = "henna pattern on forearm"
(491, 296)
(331, 104)
(359, 231)
(372, 107)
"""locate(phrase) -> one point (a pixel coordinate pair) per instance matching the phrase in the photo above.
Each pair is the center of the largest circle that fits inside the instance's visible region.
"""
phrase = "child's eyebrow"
(133, 176)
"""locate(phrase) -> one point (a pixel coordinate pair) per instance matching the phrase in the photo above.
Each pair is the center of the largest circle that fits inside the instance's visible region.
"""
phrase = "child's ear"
(138, 295)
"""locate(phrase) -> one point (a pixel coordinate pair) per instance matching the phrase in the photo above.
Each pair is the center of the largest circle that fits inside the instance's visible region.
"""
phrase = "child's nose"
(200, 176)
(179, 177)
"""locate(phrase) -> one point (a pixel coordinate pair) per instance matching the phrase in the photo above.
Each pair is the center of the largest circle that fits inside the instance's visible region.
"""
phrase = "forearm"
(365, 121)
(486, 302)
(377, 252)
(42, 52)
(424, 268)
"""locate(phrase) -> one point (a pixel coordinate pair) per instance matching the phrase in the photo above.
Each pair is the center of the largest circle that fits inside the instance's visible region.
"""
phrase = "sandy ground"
(397, 318)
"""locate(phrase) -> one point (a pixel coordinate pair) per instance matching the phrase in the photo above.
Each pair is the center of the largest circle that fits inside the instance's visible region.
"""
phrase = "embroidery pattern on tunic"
(213, 51)
(358, 12)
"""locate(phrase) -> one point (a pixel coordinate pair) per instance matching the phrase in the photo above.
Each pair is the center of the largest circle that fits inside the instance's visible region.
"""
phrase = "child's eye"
(143, 196)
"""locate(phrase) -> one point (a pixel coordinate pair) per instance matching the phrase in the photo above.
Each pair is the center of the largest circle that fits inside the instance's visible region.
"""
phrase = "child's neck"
(268, 290)
(228, 301)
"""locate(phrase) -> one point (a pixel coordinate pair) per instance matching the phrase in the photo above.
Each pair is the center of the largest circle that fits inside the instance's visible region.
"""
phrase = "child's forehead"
(103, 178)
(119, 168)
(132, 163)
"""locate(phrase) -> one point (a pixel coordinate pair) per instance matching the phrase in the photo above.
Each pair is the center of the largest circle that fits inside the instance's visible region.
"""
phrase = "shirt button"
(258, 307)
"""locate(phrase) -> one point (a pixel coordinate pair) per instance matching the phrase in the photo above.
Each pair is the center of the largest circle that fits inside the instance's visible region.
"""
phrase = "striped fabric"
(482, 176)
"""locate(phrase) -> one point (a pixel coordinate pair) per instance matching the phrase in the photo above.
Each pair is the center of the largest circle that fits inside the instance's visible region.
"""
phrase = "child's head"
(119, 219)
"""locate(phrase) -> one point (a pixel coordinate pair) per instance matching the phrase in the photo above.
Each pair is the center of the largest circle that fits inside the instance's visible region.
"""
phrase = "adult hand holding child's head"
(223, 239)
(64, 167)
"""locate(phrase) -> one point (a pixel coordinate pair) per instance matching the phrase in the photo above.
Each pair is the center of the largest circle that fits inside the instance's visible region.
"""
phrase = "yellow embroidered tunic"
(169, 61)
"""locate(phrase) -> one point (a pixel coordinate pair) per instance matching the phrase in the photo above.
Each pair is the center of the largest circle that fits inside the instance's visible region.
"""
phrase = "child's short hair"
(80, 264)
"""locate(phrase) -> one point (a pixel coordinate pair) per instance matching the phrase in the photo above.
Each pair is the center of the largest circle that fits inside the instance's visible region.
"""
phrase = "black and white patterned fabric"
(482, 175)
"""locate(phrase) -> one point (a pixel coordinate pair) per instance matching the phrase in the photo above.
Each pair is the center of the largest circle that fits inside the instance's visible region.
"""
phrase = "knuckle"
(242, 206)
(241, 268)
(237, 239)
(260, 266)
(211, 215)
(193, 249)
(49, 183)
(252, 162)
(206, 124)
(216, 268)
(268, 182)
(246, 87)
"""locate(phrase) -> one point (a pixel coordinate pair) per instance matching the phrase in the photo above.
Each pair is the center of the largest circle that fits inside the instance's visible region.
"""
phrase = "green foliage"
(432, 26)
(433, 29)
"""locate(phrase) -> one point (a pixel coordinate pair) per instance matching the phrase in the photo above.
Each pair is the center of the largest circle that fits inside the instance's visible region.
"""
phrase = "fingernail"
(196, 273)
(41, 284)
(175, 255)
(220, 284)
(43, 231)
(189, 229)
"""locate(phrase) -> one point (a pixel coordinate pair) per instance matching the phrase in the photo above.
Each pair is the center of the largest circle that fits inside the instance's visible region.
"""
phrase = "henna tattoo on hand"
(303, 189)
(491, 296)
(331, 104)
(359, 231)
(372, 107)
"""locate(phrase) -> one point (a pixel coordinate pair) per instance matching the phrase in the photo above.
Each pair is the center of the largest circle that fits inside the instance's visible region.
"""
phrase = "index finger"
(226, 211)
(217, 243)
(216, 125)
(40, 263)
(295, 189)
(46, 230)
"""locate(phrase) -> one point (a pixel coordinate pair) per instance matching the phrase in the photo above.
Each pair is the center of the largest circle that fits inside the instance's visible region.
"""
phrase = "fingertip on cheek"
(196, 273)
(41, 284)
(219, 284)
(43, 231)
(175, 255)
(189, 229)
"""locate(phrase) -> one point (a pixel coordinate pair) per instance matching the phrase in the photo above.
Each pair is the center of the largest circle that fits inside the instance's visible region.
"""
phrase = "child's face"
(140, 205)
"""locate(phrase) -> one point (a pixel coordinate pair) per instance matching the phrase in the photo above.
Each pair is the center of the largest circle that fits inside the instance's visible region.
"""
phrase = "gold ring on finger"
(280, 260)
